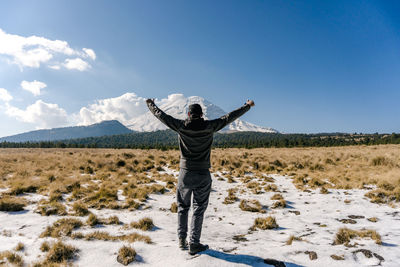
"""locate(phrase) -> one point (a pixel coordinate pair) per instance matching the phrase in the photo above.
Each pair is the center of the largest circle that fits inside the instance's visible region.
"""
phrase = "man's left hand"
(250, 103)
(150, 100)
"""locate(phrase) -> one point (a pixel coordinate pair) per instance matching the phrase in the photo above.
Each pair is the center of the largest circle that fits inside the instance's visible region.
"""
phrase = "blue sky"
(310, 66)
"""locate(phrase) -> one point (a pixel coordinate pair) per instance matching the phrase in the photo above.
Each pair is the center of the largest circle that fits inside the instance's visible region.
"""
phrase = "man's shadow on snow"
(247, 259)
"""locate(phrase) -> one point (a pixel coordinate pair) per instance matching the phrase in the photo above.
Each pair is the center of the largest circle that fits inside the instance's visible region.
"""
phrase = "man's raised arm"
(220, 123)
(168, 120)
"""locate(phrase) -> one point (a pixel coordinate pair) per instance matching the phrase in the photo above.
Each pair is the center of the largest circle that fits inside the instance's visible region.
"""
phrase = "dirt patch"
(356, 217)
(347, 221)
(369, 254)
(240, 238)
(295, 212)
(337, 257)
(274, 263)
(312, 255)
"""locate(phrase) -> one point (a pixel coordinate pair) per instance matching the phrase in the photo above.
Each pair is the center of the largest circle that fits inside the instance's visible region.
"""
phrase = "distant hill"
(112, 127)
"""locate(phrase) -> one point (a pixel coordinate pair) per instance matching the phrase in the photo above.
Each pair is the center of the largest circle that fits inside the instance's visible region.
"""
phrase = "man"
(195, 140)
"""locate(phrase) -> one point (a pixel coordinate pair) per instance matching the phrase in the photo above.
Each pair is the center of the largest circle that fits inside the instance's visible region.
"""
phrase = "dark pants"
(198, 183)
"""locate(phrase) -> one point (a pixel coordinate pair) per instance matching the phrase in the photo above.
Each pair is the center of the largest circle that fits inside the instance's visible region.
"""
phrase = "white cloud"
(42, 114)
(90, 53)
(76, 64)
(122, 108)
(55, 67)
(33, 51)
(126, 108)
(5, 95)
(33, 87)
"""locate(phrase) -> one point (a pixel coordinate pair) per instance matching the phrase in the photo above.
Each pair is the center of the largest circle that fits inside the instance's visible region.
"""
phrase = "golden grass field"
(92, 178)
(56, 171)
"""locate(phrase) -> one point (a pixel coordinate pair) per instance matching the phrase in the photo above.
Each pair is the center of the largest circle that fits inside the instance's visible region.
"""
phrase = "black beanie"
(195, 110)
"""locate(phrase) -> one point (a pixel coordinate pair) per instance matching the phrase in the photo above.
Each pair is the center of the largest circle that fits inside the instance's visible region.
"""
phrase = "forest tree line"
(167, 139)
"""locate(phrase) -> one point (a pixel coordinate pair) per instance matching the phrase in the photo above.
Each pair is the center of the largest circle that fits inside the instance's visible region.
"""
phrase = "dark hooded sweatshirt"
(196, 135)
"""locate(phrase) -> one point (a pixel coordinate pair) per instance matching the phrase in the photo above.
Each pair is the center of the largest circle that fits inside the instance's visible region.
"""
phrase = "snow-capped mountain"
(177, 105)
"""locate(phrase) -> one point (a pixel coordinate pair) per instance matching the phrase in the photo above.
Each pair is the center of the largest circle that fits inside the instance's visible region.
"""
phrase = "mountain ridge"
(175, 105)
(104, 128)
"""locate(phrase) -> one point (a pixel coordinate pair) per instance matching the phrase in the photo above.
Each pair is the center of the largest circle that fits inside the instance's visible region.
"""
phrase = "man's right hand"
(250, 103)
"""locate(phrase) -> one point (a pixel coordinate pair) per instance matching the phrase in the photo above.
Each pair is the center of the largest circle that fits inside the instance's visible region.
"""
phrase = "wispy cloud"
(5, 95)
(33, 87)
(90, 53)
(55, 67)
(33, 51)
(76, 64)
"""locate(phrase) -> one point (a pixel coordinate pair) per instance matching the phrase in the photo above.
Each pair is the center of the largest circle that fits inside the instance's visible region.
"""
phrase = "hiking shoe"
(195, 248)
(183, 244)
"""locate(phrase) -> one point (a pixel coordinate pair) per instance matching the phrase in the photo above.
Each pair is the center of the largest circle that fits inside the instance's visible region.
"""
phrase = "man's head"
(195, 111)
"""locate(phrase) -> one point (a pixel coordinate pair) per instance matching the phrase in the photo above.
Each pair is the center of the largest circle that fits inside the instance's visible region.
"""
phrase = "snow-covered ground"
(316, 221)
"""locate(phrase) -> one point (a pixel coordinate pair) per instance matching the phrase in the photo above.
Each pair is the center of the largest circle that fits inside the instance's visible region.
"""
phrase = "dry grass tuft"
(111, 220)
(60, 253)
(293, 238)
(105, 197)
(265, 223)
(380, 161)
(344, 236)
(105, 236)
(133, 237)
(130, 204)
(279, 204)
(12, 204)
(80, 209)
(271, 188)
(77, 235)
(144, 224)
(141, 192)
(92, 220)
(174, 207)
(252, 184)
(51, 208)
(251, 205)
(231, 198)
(277, 197)
(45, 246)
(20, 247)
(230, 179)
(13, 258)
(381, 196)
(62, 227)
(323, 190)
(19, 188)
(337, 257)
(55, 195)
(126, 255)
(99, 235)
